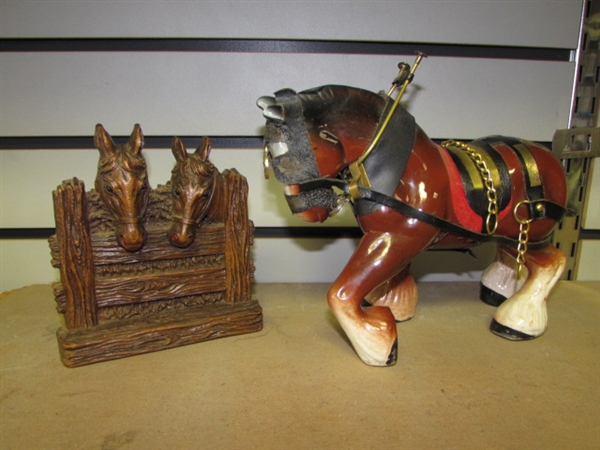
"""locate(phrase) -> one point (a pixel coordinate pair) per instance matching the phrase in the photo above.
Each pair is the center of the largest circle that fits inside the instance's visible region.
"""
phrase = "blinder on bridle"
(288, 150)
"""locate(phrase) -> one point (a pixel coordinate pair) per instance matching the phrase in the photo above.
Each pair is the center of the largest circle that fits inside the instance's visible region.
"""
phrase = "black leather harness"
(385, 166)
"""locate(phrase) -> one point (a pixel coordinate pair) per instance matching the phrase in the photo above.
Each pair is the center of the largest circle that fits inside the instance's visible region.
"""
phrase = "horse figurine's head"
(122, 183)
(314, 134)
(193, 187)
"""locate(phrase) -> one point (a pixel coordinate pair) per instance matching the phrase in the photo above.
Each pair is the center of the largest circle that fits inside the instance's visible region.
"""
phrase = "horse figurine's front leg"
(380, 256)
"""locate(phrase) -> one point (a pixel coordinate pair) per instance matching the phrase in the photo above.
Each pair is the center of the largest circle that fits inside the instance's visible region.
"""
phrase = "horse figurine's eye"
(108, 188)
(206, 193)
(177, 192)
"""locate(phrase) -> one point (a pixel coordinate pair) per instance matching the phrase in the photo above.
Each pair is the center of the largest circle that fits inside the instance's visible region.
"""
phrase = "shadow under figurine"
(410, 194)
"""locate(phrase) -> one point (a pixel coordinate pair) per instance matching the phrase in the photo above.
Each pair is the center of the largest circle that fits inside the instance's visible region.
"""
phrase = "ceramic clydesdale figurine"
(410, 194)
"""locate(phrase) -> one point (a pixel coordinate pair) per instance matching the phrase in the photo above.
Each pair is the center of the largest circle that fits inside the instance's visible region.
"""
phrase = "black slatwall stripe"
(84, 142)
(280, 46)
(259, 232)
(87, 142)
(321, 232)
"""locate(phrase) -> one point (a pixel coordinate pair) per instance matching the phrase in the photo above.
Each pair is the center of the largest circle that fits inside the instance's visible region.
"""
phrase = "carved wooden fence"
(117, 304)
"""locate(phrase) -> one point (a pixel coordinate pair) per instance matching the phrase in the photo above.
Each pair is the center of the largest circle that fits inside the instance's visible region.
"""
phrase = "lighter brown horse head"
(194, 182)
(122, 182)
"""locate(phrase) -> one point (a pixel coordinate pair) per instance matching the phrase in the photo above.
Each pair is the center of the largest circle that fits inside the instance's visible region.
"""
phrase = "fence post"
(237, 240)
(75, 254)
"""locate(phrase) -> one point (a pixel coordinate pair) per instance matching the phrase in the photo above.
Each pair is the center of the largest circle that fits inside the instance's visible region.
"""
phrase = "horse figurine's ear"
(179, 150)
(203, 149)
(103, 142)
(136, 140)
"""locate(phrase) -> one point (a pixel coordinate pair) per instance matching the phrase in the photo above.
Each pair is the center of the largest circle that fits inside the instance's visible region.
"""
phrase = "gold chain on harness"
(523, 235)
(491, 221)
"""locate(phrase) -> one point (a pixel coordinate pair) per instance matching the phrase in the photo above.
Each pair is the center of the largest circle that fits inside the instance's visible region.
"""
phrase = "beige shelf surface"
(297, 384)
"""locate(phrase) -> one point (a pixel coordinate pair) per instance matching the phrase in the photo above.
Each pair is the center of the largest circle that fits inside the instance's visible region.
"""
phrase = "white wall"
(196, 93)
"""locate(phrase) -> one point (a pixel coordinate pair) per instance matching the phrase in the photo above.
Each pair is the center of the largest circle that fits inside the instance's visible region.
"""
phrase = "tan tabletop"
(297, 384)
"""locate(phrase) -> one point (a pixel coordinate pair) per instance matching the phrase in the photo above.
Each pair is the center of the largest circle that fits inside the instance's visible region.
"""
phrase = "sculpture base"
(170, 329)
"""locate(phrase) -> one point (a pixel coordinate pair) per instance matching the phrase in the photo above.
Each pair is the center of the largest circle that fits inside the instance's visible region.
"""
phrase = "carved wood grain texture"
(210, 241)
(75, 254)
(153, 287)
(237, 242)
(159, 332)
(107, 251)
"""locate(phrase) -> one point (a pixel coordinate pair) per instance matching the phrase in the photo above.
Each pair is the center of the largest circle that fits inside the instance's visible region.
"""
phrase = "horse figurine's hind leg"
(499, 280)
(523, 315)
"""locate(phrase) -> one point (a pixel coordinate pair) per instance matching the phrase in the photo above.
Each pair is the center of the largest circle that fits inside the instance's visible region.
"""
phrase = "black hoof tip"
(509, 333)
(365, 304)
(490, 297)
(393, 357)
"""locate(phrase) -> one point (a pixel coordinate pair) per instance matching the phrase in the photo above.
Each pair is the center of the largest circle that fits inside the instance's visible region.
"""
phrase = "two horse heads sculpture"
(197, 188)
(409, 195)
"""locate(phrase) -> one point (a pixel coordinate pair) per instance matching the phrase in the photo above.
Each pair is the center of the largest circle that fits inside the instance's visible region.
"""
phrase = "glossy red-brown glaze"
(378, 269)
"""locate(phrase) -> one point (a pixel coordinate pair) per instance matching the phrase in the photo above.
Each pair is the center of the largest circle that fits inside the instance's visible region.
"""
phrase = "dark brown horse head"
(192, 186)
(122, 182)
(317, 133)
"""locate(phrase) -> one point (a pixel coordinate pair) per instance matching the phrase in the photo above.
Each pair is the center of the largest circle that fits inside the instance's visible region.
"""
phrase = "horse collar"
(385, 165)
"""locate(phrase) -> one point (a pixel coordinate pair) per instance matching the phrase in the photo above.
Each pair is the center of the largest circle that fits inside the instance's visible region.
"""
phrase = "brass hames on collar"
(357, 169)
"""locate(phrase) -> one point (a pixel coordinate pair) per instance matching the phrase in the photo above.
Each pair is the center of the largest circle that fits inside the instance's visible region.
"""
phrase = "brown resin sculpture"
(336, 144)
(143, 270)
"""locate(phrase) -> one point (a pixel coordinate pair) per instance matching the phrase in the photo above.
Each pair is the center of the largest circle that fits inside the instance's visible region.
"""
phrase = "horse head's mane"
(194, 165)
(122, 158)
(336, 100)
